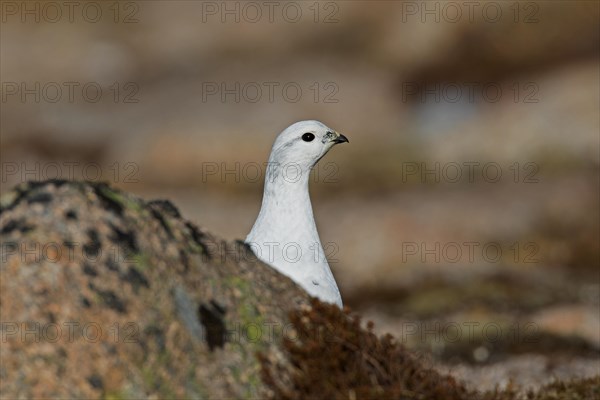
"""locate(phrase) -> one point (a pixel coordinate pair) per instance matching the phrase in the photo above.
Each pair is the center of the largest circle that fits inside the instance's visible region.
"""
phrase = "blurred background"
(463, 217)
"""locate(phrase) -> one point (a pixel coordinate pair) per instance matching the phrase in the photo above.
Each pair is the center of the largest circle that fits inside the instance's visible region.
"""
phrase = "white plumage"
(285, 235)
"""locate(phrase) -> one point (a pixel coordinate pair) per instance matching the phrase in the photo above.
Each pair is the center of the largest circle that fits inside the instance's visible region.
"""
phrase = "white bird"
(285, 234)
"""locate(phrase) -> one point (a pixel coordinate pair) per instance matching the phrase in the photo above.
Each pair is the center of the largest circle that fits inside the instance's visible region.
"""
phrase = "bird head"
(304, 144)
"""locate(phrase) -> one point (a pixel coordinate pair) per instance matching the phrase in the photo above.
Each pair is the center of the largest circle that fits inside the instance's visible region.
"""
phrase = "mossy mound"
(331, 356)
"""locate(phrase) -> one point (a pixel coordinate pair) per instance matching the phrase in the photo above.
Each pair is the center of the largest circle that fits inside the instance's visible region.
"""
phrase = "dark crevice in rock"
(109, 298)
(125, 239)
(92, 248)
(102, 191)
(19, 225)
(56, 182)
(198, 237)
(158, 216)
(85, 302)
(89, 270)
(112, 265)
(42, 198)
(184, 260)
(96, 382)
(166, 206)
(136, 279)
(51, 317)
(212, 317)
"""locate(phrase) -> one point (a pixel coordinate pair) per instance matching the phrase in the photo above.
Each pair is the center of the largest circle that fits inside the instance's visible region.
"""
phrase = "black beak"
(341, 139)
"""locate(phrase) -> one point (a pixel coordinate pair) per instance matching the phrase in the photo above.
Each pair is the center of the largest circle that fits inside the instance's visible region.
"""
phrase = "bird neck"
(286, 189)
(285, 203)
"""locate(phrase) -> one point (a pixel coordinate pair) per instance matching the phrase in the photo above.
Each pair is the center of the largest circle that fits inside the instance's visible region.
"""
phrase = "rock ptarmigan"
(285, 234)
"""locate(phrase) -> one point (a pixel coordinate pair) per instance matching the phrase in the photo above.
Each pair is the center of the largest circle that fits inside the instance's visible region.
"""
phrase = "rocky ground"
(107, 295)
(381, 75)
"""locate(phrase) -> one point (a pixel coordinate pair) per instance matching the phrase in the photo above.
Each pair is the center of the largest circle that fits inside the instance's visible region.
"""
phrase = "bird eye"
(308, 137)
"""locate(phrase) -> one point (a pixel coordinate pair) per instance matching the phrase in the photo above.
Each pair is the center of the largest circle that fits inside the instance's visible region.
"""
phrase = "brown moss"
(577, 389)
(333, 357)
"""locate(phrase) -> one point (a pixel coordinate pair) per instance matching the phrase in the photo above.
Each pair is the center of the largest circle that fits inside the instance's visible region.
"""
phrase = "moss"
(577, 389)
(254, 382)
(154, 379)
(251, 324)
(116, 396)
(8, 198)
(251, 321)
(250, 317)
(114, 199)
(358, 363)
(140, 260)
(251, 335)
(237, 282)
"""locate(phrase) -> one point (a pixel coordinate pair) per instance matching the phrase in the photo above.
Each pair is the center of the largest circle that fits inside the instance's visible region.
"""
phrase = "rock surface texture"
(104, 294)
